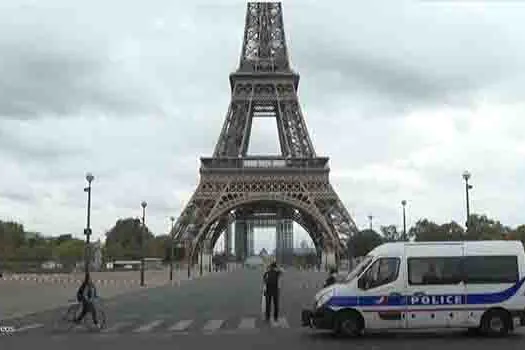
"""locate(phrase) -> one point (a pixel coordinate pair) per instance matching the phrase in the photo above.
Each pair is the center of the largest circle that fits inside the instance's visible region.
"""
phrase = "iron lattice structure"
(294, 185)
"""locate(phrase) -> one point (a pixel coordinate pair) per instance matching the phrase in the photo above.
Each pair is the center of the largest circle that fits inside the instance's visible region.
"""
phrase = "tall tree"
(70, 251)
(453, 231)
(127, 239)
(517, 234)
(426, 230)
(363, 242)
(483, 228)
(390, 233)
(11, 238)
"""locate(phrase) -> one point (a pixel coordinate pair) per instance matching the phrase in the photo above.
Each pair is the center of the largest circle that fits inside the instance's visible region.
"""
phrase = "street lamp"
(370, 217)
(143, 233)
(87, 231)
(404, 203)
(468, 187)
(171, 247)
(189, 256)
(200, 253)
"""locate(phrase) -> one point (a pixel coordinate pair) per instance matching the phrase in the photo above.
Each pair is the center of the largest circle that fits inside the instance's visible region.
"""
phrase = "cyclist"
(86, 294)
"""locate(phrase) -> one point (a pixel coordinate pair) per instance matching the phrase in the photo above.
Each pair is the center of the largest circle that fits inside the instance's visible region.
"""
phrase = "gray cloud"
(18, 195)
(41, 80)
(408, 56)
(35, 145)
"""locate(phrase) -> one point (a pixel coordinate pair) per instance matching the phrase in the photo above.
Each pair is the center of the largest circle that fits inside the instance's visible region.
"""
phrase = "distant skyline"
(265, 238)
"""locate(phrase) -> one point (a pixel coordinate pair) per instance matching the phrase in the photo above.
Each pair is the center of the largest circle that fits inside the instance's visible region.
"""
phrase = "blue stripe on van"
(429, 299)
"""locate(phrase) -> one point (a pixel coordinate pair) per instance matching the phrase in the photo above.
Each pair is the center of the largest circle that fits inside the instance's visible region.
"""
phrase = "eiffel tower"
(293, 186)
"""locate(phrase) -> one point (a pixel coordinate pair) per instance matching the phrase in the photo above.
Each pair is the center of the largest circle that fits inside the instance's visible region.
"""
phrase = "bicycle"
(67, 320)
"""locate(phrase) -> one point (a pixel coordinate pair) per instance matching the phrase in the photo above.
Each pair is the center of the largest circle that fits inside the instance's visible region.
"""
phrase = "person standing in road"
(271, 280)
(332, 278)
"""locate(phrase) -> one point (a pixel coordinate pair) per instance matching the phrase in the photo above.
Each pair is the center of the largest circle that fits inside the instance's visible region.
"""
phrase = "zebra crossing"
(169, 326)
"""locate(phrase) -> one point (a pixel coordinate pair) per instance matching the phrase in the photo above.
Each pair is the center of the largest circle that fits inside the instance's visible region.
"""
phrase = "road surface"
(222, 310)
(28, 293)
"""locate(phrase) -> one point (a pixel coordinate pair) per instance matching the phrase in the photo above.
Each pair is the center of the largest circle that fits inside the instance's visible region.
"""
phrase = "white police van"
(476, 285)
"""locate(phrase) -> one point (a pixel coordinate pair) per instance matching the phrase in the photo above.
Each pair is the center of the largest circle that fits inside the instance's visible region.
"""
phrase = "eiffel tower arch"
(293, 186)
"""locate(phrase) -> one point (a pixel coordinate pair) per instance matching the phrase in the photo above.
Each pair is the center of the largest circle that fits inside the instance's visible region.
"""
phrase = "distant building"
(304, 244)
(51, 265)
(304, 251)
(254, 262)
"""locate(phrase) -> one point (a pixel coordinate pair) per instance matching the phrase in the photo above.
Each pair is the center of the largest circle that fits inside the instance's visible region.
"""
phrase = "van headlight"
(323, 298)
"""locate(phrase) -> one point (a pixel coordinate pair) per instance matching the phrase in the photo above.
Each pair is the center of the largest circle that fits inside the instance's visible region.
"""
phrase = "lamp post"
(200, 253)
(189, 257)
(404, 203)
(143, 233)
(171, 247)
(466, 176)
(370, 217)
(87, 231)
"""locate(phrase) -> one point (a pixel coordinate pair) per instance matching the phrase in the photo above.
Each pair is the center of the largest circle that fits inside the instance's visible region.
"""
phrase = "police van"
(477, 285)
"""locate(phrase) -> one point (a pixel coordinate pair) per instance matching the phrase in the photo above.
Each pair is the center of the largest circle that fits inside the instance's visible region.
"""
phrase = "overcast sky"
(403, 96)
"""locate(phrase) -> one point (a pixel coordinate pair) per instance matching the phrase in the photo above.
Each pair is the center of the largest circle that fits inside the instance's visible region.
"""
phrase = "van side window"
(382, 271)
(434, 270)
(491, 269)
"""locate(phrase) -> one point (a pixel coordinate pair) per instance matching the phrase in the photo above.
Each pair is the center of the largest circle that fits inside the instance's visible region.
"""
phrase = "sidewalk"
(22, 295)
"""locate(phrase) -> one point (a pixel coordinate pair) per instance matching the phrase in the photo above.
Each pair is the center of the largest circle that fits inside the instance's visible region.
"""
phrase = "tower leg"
(240, 240)
(328, 259)
(250, 239)
(205, 257)
(228, 240)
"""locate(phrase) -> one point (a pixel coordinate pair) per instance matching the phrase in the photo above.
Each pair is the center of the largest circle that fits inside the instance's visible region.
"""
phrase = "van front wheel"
(496, 323)
(349, 324)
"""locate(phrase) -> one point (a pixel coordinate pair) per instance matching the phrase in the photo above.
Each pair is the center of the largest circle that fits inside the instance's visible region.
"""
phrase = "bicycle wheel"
(65, 322)
(101, 318)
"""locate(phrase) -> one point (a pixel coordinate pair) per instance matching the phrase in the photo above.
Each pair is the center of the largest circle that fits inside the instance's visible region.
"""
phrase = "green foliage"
(22, 251)
(69, 251)
(123, 240)
(128, 239)
(480, 228)
(390, 233)
(363, 242)
(425, 230)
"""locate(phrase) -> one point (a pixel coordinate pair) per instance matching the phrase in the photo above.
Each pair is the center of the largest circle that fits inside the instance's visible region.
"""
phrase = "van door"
(380, 291)
(490, 278)
(434, 288)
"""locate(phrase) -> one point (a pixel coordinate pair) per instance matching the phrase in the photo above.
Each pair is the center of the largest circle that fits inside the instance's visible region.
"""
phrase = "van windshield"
(359, 268)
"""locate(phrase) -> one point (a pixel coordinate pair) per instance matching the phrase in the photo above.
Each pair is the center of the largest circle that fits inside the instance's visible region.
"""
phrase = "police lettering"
(435, 300)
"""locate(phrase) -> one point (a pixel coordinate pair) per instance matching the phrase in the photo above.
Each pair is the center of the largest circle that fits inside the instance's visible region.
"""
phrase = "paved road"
(222, 310)
(28, 293)
(222, 302)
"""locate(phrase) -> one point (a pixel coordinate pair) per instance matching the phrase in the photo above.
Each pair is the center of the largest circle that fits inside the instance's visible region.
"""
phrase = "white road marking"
(247, 323)
(115, 327)
(212, 325)
(28, 327)
(148, 326)
(181, 325)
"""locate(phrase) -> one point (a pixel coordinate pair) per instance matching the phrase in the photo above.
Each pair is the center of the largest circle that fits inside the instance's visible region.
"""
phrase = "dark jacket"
(271, 279)
(330, 280)
(86, 292)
